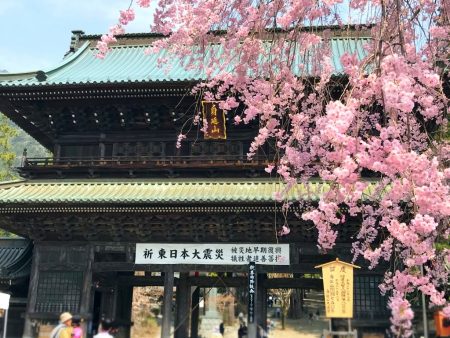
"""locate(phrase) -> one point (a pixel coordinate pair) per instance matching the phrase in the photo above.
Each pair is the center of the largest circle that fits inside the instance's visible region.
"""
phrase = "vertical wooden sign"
(251, 292)
(338, 288)
(214, 117)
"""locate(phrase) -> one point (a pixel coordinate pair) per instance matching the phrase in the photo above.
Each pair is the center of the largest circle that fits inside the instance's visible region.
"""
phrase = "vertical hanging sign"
(251, 292)
(214, 120)
(338, 288)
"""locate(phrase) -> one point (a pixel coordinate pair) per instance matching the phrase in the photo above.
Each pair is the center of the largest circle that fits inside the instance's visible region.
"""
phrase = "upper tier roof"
(127, 63)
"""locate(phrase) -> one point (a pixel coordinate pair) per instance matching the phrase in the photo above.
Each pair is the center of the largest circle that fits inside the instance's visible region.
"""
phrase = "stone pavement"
(295, 328)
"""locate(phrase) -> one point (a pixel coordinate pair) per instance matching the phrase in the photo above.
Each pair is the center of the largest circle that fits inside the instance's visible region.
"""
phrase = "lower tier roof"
(15, 259)
(134, 191)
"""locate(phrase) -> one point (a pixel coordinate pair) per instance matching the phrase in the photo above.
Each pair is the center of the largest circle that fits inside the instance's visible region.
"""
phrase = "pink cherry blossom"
(143, 3)
(126, 16)
(284, 231)
(371, 129)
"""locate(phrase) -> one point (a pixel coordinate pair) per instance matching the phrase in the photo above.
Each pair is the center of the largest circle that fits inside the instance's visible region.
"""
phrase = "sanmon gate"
(116, 178)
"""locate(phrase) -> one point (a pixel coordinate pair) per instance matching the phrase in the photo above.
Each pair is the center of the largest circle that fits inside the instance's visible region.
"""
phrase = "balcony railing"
(145, 162)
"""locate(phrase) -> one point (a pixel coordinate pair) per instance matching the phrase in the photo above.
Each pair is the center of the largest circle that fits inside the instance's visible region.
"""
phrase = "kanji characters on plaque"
(338, 288)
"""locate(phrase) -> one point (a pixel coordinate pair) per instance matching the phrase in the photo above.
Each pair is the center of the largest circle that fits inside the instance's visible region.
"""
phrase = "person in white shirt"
(105, 328)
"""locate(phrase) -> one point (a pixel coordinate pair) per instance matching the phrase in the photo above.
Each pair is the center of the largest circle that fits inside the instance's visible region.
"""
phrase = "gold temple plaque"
(215, 120)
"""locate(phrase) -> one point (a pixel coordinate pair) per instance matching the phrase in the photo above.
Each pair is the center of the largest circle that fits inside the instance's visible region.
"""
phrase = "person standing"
(241, 318)
(77, 330)
(64, 328)
(242, 332)
(261, 333)
(105, 328)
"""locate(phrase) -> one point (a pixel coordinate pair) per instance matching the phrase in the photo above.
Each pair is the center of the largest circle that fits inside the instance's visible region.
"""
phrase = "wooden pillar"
(205, 301)
(102, 151)
(195, 313)
(261, 301)
(32, 292)
(57, 149)
(87, 291)
(102, 146)
(167, 302)
(183, 306)
(124, 307)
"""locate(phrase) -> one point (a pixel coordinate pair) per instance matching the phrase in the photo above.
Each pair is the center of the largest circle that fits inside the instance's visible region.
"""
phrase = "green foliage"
(151, 322)
(13, 141)
(4, 233)
(7, 155)
(23, 141)
(442, 245)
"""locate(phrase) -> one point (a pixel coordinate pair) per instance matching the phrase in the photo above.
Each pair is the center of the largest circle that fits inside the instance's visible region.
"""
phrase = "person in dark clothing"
(242, 331)
(261, 333)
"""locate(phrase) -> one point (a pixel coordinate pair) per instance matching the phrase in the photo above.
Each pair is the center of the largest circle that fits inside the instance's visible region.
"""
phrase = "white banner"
(212, 254)
(4, 301)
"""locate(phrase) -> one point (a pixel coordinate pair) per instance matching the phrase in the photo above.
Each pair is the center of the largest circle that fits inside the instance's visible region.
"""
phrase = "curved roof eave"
(129, 64)
(33, 73)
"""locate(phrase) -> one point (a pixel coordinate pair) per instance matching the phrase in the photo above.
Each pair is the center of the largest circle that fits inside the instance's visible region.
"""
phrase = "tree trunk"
(295, 310)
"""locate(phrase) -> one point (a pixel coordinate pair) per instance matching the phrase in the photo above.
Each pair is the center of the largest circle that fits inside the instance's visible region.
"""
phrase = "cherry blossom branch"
(367, 131)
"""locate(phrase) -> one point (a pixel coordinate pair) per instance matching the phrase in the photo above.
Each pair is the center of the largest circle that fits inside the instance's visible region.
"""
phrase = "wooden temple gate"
(101, 284)
(116, 178)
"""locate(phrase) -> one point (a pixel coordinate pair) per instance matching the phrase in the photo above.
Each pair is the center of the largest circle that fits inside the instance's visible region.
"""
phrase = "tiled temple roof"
(15, 259)
(63, 192)
(127, 63)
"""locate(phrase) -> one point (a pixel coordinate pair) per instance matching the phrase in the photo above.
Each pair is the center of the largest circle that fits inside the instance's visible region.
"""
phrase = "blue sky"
(35, 34)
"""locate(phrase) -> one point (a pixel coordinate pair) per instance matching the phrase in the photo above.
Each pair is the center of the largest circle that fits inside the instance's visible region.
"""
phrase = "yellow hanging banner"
(338, 288)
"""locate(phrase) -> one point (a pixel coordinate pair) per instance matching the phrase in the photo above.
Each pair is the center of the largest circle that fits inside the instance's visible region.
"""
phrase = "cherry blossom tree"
(386, 119)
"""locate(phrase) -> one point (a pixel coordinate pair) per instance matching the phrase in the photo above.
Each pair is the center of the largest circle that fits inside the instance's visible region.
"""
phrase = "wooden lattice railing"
(146, 162)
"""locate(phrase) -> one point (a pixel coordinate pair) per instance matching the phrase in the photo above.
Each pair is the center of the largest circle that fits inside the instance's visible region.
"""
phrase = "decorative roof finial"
(76, 34)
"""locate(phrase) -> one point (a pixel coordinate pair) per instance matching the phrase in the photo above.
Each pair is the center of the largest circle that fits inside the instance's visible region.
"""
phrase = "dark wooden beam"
(16, 116)
(293, 283)
(183, 306)
(87, 284)
(261, 301)
(32, 292)
(143, 281)
(167, 302)
(195, 312)
(201, 281)
(204, 281)
(123, 266)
